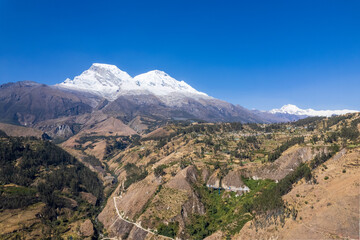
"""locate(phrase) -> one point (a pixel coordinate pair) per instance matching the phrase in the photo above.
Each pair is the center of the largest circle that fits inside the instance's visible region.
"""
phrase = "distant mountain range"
(141, 102)
(294, 110)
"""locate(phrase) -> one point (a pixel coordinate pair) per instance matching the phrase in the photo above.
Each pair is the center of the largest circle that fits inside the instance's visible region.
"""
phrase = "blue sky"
(259, 54)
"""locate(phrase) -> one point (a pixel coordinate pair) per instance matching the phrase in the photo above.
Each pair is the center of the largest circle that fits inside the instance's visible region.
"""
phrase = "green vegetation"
(33, 170)
(169, 230)
(229, 213)
(351, 133)
(270, 198)
(12, 197)
(308, 121)
(225, 211)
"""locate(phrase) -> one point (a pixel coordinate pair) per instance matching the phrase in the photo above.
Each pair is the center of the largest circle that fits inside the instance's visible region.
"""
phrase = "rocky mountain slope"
(27, 103)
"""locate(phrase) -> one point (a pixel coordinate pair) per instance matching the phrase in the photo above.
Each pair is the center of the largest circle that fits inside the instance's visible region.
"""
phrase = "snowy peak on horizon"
(292, 109)
(110, 82)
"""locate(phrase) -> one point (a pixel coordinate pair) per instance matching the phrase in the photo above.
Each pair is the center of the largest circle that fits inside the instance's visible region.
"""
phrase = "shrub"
(161, 143)
(159, 170)
(184, 164)
(251, 139)
(169, 230)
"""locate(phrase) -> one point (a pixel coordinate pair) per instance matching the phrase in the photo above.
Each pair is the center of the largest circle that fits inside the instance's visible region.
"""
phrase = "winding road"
(134, 223)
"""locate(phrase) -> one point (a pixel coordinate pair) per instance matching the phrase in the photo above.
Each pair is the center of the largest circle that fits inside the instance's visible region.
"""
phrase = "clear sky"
(259, 54)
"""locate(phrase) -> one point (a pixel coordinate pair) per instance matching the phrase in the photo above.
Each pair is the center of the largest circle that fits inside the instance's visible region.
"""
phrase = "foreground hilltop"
(189, 181)
(169, 179)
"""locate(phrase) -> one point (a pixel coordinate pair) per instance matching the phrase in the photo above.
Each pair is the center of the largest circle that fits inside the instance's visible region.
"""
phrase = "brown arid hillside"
(165, 179)
(189, 180)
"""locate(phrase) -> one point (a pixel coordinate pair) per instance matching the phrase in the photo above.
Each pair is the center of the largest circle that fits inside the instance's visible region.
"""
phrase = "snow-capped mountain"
(160, 83)
(294, 110)
(110, 82)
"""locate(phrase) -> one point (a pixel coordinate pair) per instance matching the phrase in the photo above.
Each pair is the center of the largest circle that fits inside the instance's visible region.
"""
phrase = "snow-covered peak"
(101, 79)
(289, 108)
(110, 82)
(102, 68)
(292, 109)
(161, 83)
